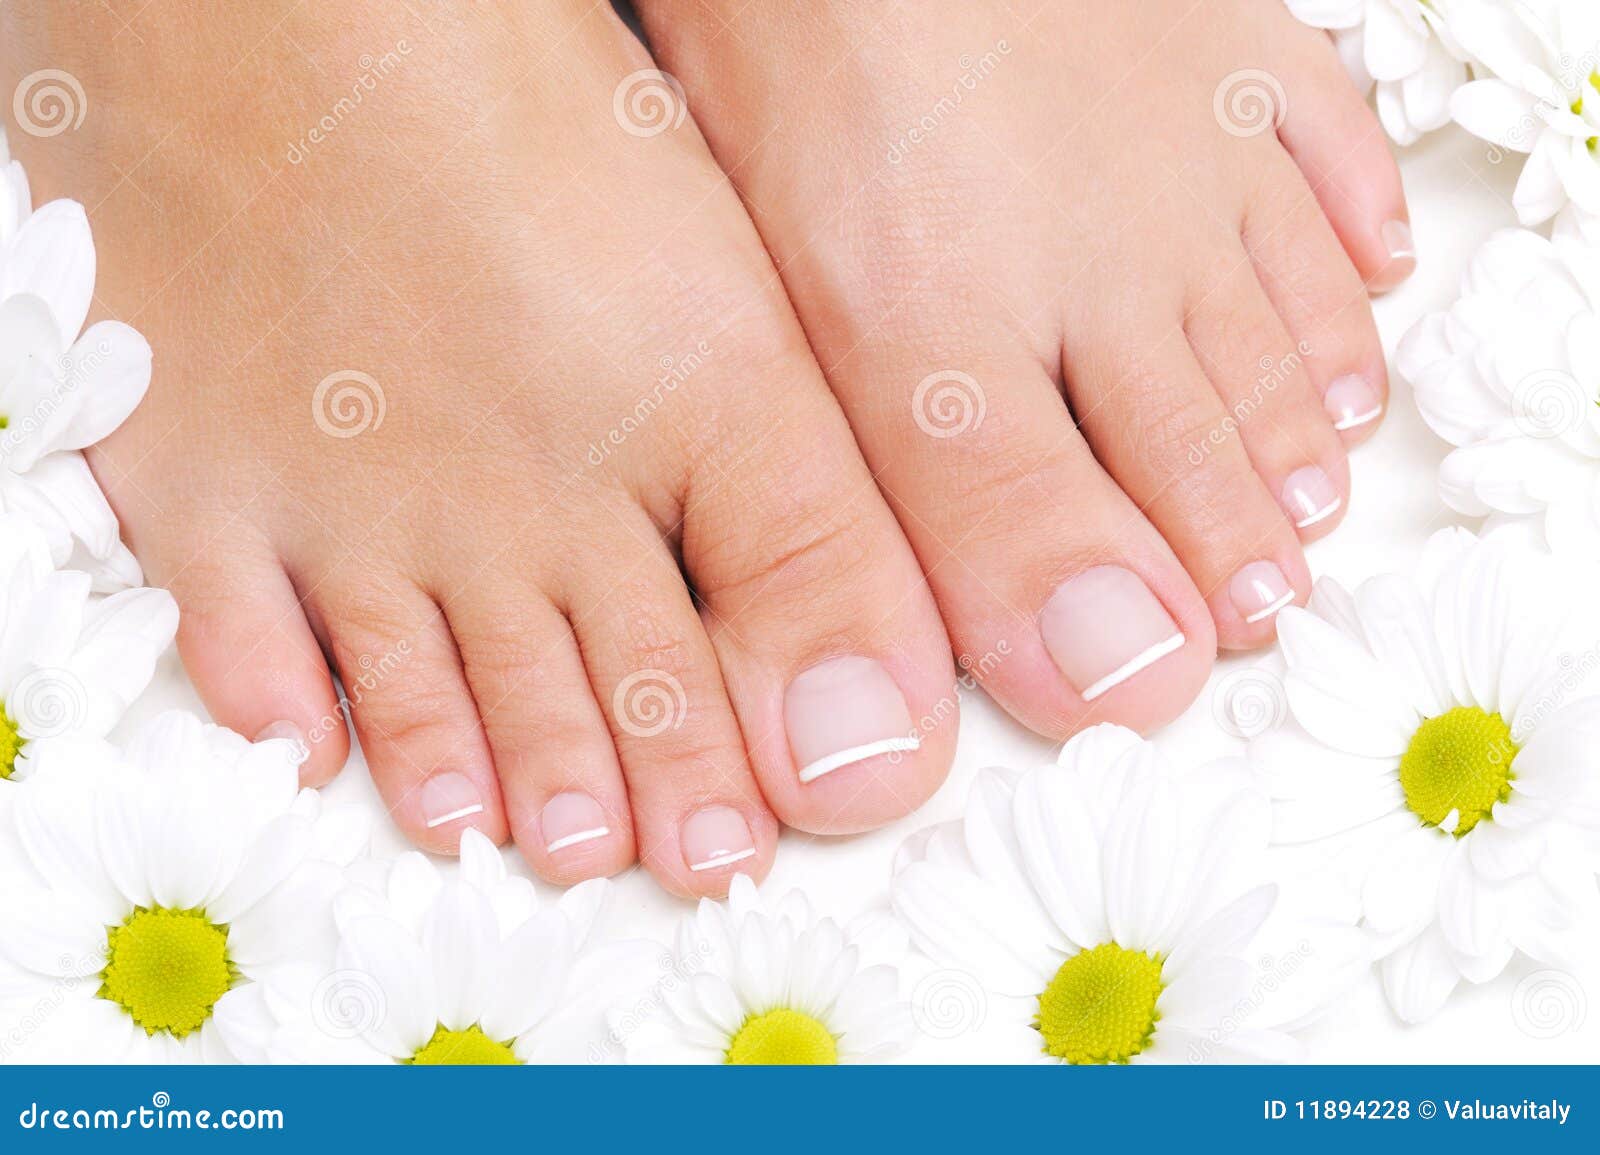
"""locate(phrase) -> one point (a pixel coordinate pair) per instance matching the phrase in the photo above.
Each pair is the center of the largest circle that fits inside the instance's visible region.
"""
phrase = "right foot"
(584, 375)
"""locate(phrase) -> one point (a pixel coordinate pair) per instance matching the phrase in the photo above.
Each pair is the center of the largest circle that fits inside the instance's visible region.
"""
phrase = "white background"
(1457, 198)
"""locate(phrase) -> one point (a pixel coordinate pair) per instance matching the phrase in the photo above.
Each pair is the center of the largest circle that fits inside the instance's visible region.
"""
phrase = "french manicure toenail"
(1259, 590)
(289, 732)
(1351, 402)
(1398, 240)
(570, 819)
(1103, 626)
(716, 836)
(1310, 497)
(843, 711)
(449, 797)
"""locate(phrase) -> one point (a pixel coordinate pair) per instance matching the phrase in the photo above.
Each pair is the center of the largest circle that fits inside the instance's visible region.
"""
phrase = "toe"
(698, 815)
(1058, 594)
(1321, 301)
(1270, 405)
(1338, 143)
(1177, 448)
(835, 659)
(412, 709)
(246, 644)
(565, 800)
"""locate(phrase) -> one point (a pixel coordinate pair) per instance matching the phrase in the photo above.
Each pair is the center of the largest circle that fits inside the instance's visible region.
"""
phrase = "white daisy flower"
(1403, 48)
(1510, 375)
(149, 887)
(69, 664)
(752, 984)
(1104, 903)
(1541, 97)
(428, 969)
(60, 392)
(1444, 729)
(16, 202)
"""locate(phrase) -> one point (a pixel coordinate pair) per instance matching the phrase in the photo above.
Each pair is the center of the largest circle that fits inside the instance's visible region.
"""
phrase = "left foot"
(980, 210)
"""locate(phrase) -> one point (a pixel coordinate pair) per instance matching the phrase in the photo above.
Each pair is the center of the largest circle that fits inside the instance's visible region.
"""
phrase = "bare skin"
(597, 396)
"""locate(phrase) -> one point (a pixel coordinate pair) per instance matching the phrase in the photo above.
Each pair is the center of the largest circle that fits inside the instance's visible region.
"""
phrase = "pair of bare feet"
(1015, 328)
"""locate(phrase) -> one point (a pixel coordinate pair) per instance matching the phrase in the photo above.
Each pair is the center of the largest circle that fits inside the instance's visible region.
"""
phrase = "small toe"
(252, 656)
(698, 815)
(1338, 143)
(565, 800)
(1321, 300)
(412, 708)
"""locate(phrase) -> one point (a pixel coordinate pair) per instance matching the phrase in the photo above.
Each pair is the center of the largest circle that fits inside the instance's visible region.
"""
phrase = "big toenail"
(715, 837)
(1309, 497)
(1398, 240)
(289, 732)
(843, 711)
(570, 819)
(1350, 402)
(1104, 626)
(1259, 590)
(449, 797)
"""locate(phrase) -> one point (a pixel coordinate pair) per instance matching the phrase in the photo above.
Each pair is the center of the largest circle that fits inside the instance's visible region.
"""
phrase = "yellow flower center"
(1459, 761)
(1101, 1005)
(11, 743)
(783, 1038)
(167, 968)
(468, 1048)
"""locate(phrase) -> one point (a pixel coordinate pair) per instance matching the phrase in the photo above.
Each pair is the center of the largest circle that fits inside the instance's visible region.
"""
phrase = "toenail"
(1309, 497)
(570, 819)
(1351, 402)
(1398, 240)
(286, 731)
(449, 797)
(1104, 626)
(843, 711)
(716, 836)
(1259, 590)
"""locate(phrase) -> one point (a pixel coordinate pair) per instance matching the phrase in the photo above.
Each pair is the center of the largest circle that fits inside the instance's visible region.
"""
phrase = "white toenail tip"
(1358, 419)
(1128, 669)
(858, 754)
(1262, 614)
(464, 812)
(574, 839)
(724, 860)
(1322, 514)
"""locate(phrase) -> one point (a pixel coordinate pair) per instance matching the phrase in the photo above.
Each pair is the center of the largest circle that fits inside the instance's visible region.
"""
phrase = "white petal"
(52, 256)
(1419, 977)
